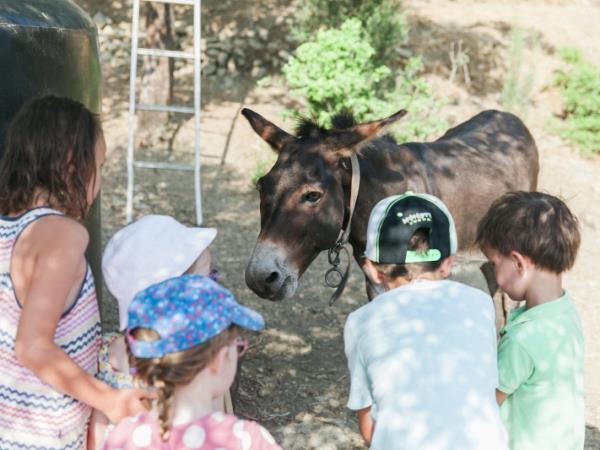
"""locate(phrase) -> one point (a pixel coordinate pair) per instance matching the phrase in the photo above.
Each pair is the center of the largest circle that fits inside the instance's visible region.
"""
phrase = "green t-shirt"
(540, 366)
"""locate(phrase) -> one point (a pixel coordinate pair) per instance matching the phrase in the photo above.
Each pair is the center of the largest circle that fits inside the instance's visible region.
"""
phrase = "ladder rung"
(163, 165)
(177, 2)
(165, 53)
(166, 108)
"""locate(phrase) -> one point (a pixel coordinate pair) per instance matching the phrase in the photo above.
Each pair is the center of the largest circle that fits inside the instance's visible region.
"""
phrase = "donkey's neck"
(383, 172)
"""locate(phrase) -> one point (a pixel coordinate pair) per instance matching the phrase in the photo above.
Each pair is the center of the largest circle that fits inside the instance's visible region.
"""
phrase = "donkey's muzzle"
(268, 275)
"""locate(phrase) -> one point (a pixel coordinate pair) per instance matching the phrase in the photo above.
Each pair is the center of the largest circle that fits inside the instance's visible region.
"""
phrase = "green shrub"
(384, 24)
(337, 72)
(579, 85)
(264, 159)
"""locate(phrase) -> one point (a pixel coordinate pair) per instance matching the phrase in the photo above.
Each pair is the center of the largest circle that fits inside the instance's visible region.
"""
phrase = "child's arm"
(56, 269)
(500, 397)
(515, 366)
(366, 424)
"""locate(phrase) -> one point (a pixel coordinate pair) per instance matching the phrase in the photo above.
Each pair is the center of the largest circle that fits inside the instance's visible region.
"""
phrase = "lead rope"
(334, 277)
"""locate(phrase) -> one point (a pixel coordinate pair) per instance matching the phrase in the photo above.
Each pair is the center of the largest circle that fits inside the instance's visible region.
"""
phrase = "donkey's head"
(302, 198)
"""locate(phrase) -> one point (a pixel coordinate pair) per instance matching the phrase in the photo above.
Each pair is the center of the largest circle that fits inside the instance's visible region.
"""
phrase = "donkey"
(305, 197)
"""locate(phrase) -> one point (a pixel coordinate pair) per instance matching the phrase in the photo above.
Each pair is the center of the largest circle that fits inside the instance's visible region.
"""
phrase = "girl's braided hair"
(174, 370)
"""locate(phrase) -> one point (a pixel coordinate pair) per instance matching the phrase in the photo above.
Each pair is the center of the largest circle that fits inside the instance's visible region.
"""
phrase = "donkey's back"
(474, 163)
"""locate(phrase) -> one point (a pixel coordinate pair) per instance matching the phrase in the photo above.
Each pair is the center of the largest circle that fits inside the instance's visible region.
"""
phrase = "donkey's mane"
(309, 128)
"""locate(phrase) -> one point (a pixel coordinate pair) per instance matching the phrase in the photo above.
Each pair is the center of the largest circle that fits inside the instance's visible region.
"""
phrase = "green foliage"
(337, 72)
(384, 24)
(579, 85)
(519, 79)
(262, 164)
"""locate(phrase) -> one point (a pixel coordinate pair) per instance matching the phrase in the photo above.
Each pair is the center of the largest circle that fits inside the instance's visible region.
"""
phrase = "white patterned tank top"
(34, 416)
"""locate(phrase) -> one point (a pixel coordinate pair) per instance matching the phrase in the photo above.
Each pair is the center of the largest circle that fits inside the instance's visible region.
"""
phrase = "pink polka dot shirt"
(215, 431)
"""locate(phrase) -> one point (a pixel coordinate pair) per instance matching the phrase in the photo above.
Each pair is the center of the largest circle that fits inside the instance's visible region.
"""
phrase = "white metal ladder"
(133, 106)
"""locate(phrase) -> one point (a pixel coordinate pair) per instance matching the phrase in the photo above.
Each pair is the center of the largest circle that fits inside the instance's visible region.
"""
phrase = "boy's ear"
(445, 269)
(521, 261)
(372, 272)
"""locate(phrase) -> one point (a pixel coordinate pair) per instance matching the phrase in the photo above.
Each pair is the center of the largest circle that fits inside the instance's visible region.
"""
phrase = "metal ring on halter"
(333, 277)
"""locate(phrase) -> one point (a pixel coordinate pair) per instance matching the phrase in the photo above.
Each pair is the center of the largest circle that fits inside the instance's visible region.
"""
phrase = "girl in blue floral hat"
(184, 339)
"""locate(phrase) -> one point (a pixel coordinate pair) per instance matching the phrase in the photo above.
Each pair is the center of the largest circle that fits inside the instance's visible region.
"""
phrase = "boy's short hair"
(409, 234)
(419, 243)
(537, 225)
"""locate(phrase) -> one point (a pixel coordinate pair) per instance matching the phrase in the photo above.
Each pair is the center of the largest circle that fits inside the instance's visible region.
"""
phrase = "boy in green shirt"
(532, 238)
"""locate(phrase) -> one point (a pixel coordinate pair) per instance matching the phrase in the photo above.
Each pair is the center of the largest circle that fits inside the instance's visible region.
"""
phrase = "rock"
(99, 19)
(231, 66)
(209, 69)
(255, 44)
(283, 54)
(212, 52)
(222, 58)
(258, 72)
(240, 60)
(238, 50)
(263, 33)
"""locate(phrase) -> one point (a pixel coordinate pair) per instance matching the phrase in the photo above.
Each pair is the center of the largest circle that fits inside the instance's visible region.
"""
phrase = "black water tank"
(50, 47)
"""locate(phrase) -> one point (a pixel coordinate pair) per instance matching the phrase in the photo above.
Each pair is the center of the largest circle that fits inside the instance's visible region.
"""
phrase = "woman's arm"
(56, 270)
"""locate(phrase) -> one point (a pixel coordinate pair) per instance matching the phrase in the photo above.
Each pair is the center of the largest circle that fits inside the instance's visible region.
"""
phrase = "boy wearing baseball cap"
(422, 355)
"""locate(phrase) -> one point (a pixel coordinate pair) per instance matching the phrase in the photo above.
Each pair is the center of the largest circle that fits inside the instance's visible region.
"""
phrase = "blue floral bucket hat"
(185, 311)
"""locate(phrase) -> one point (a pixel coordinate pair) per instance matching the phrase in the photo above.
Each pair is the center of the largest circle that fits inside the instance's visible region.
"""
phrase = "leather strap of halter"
(342, 241)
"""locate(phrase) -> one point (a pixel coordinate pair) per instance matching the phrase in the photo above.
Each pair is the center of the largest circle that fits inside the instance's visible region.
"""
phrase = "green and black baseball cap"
(395, 219)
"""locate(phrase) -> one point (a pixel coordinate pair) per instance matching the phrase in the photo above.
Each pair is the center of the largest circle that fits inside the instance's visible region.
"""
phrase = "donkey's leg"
(503, 304)
(487, 268)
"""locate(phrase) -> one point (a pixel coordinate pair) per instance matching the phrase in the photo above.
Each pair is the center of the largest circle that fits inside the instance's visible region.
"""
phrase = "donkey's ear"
(272, 134)
(349, 139)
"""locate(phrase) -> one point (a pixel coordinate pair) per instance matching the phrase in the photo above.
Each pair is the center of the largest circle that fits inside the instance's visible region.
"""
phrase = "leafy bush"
(580, 89)
(384, 24)
(337, 72)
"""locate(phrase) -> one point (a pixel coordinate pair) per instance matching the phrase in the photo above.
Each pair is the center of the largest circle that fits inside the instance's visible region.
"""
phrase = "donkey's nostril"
(272, 278)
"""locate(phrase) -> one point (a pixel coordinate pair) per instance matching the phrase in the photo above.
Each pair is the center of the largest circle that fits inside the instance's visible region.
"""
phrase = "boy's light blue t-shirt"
(423, 356)
(540, 363)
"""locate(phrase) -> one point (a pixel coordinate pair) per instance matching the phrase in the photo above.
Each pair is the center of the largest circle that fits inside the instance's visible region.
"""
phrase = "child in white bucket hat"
(148, 251)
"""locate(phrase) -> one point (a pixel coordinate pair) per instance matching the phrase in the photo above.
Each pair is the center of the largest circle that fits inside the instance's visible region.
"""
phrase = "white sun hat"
(148, 251)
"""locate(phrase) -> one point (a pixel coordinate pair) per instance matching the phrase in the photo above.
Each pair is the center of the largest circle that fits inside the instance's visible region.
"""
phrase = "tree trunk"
(157, 73)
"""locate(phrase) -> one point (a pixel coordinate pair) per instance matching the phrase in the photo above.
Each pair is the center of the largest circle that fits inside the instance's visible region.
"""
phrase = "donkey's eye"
(312, 197)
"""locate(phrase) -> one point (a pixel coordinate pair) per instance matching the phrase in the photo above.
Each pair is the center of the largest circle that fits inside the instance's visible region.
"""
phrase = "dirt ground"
(294, 379)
